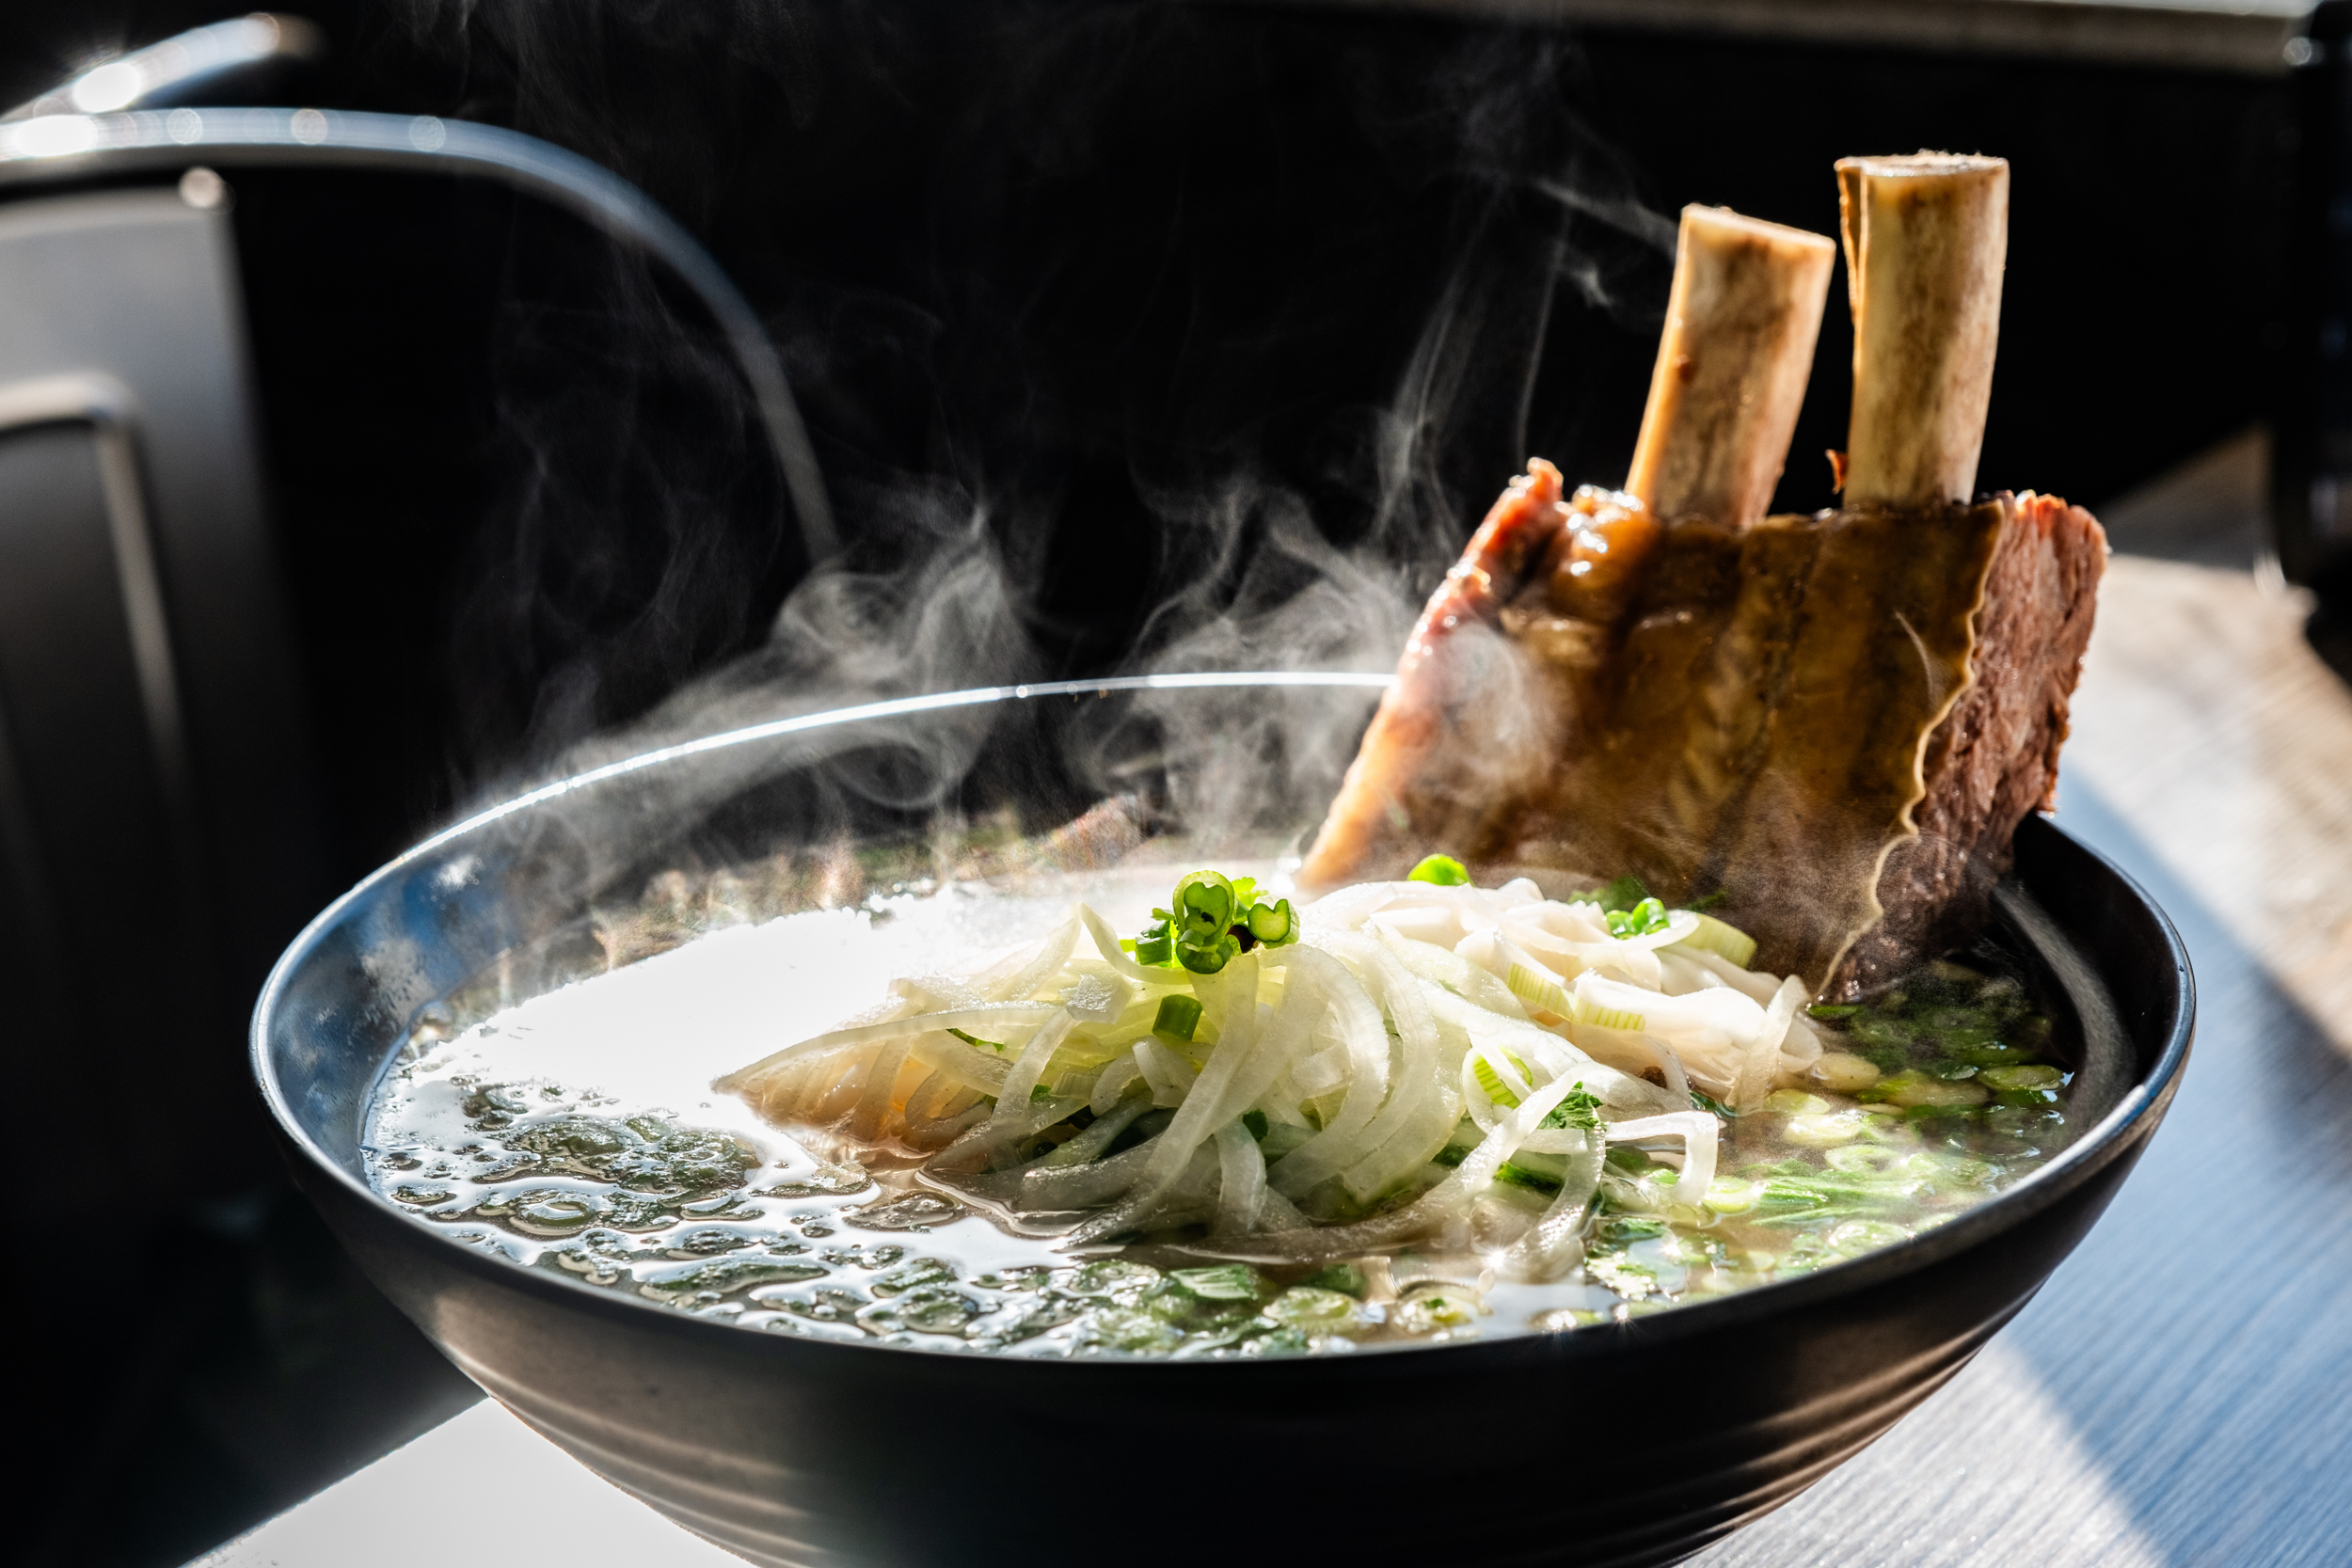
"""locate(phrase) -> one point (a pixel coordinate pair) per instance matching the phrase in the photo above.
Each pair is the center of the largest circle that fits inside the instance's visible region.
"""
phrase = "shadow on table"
(2197, 1341)
(229, 1363)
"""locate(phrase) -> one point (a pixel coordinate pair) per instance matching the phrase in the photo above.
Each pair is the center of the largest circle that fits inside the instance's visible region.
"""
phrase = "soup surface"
(578, 1132)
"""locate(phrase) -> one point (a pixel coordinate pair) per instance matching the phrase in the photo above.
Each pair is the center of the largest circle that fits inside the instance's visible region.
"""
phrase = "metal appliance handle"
(72, 145)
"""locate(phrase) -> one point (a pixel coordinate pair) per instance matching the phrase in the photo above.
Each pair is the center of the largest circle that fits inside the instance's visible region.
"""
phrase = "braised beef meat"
(1836, 721)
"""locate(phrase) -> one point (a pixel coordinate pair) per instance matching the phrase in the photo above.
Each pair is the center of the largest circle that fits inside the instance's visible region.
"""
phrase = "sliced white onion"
(1110, 1086)
(1106, 947)
(1013, 1014)
(1346, 909)
(1758, 987)
(1051, 1188)
(931, 993)
(1100, 1134)
(1763, 1056)
(1801, 1048)
(1366, 1039)
(1096, 993)
(1241, 1186)
(1436, 923)
(1440, 967)
(1698, 1132)
(1014, 1115)
(865, 1123)
(1414, 1142)
(1232, 996)
(1571, 944)
(1170, 1076)
(1554, 1244)
(1044, 964)
(1321, 1072)
(1384, 1030)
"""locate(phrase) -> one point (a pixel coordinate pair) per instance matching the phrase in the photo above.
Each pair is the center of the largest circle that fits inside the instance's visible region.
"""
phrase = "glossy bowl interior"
(1646, 1439)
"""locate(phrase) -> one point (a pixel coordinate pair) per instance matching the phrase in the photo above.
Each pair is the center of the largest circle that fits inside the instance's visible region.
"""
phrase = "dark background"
(1094, 299)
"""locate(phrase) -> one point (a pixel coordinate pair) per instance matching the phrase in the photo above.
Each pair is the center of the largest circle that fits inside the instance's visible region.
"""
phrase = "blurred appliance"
(164, 827)
(154, 782)
(155, 792)
(2312, 463)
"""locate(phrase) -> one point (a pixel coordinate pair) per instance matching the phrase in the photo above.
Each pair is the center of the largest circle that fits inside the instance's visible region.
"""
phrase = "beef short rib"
(1837, 722)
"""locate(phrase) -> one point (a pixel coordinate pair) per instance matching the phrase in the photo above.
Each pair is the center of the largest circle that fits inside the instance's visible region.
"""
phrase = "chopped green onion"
(1155, 946)
(1605, 1018)
(1256, 1123)
(1443, 870)
(1201, 916)
(1303, 1306)
(1624, 893)
(1224, 1282)
(1831, 1011)
(1274, 924)
(1539, 991)
(1203, 905)
(1178, 1018)
(1992, 1055)
(1212, 921)
(1640, 921)
(1728, 1194)
(1711, 1105)
(1722, 938)
(1039, 1094)
(975, 1040)
(1491, 1081)
(2022, 1077)
(1208, 957)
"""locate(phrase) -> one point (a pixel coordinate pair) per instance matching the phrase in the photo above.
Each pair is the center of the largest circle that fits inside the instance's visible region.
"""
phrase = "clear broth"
(577, 1132)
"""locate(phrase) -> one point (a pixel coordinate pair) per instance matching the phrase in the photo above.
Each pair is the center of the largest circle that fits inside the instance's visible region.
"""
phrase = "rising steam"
(624, 588)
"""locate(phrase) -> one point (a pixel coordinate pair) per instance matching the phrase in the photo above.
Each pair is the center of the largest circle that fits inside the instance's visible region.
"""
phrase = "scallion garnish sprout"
(1178, 1017)
(1443, 870)
(1211, 921)
(1640, 921)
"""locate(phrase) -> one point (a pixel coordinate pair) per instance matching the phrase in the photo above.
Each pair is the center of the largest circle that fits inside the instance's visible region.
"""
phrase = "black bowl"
(1630, 1443)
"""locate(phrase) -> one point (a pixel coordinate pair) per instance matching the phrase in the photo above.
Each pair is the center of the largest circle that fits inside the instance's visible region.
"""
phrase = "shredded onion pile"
(1357, 1090)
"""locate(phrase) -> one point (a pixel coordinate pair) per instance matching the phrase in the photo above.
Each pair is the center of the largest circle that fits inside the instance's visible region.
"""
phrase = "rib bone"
(1732, 366)
(1926, 238)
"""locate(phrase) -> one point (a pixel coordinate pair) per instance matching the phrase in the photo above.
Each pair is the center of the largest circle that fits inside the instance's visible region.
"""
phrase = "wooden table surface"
(2180, 1395)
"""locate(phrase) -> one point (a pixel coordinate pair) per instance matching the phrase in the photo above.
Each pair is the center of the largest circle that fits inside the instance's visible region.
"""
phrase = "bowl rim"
(2129, 1120)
